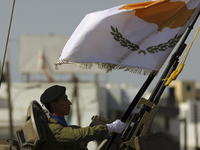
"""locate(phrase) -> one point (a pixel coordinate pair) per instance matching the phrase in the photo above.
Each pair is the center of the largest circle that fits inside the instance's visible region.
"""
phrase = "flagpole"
(137, 97)
(172, 64)
(131, 107)
(157, 92)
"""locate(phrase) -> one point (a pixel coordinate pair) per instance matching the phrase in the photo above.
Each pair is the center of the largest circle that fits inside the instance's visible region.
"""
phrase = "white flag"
(134, 37)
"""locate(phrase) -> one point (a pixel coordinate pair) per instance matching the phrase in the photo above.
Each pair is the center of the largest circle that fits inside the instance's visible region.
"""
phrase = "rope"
(7, 42)
(176, 72)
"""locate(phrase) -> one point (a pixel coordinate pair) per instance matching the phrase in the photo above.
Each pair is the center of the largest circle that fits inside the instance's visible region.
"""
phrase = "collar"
(60, 119)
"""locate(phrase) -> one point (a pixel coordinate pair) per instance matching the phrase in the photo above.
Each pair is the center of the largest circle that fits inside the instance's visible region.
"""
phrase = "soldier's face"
(62, 105)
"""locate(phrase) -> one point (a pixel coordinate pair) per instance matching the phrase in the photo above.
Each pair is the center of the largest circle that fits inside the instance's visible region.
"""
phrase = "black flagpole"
(160, 86)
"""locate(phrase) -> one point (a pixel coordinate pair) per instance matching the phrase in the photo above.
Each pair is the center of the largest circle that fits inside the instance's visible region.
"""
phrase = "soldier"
(61, 136)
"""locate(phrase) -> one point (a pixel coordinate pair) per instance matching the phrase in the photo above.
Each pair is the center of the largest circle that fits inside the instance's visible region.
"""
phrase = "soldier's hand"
(117, 126)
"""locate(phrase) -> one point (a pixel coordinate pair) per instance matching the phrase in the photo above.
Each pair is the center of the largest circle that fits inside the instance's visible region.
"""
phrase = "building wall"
(190, 124)
(184, 90)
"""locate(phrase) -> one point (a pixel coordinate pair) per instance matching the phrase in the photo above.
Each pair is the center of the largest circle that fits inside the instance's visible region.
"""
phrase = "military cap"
(52, 93)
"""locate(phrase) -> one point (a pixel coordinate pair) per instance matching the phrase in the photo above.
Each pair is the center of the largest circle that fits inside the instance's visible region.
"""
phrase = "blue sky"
(61, 18)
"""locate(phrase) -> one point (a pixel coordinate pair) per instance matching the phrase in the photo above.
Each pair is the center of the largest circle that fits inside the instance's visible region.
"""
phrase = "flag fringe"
(109, 67)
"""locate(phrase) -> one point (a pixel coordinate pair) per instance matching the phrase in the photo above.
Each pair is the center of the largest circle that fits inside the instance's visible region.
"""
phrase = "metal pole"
(9, 100)
(7, 42)
(132, 106)
(75, 80)
(158, 90)
(196, 126)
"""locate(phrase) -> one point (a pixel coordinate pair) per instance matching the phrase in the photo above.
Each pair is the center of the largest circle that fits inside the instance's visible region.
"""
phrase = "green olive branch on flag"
(134, 47)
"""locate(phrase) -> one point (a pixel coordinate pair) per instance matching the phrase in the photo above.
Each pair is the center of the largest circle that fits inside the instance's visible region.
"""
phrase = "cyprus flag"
(135, 37)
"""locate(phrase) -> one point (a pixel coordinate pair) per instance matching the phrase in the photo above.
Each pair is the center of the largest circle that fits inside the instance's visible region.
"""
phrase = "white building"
(187, 94)
(190, 124)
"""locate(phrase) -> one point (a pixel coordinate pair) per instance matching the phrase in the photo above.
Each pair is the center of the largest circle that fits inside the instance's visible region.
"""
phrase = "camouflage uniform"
(67, 138)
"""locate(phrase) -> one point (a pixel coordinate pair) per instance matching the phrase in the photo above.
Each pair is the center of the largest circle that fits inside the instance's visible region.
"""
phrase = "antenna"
(1, 74)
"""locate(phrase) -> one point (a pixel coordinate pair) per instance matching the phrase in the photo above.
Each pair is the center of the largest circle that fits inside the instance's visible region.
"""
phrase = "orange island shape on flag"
(134, 37)
(163, 12)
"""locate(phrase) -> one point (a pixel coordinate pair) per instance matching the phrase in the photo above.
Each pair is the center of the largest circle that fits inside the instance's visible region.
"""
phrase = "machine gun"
(139, 124)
